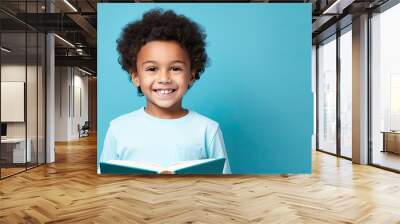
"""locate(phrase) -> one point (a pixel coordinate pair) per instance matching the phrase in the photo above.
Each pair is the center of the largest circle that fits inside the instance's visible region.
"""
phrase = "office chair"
(84, 130)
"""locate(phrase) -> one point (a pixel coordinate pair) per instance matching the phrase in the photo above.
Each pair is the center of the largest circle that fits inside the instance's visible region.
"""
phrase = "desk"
(391, 141)
(18, 151)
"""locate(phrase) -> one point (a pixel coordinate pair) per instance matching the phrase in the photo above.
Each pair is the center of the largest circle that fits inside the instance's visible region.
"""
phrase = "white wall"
(80, 89)
(15, 72)
(34, 125)
(12, 101)
(12, 73)
(61, 103)
(71, 87)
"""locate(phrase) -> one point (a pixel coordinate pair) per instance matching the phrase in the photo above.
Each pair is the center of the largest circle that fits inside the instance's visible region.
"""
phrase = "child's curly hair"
(157, 24)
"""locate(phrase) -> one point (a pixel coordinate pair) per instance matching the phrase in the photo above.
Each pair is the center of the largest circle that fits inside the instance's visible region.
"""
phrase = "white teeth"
(164, 91)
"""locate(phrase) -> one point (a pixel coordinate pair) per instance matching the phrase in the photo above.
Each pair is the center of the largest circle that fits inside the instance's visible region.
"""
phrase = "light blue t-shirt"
(139, 136)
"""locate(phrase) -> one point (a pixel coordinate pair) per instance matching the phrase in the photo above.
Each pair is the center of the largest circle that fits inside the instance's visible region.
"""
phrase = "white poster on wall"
(12, 101)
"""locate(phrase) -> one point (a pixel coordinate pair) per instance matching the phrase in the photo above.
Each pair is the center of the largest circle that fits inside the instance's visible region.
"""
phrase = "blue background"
(258, 84)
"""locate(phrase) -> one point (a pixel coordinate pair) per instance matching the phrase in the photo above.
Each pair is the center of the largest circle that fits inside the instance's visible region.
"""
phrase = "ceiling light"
(5, 50)
(84, 71)
(65, 41)
(338, 6)
(70, 5)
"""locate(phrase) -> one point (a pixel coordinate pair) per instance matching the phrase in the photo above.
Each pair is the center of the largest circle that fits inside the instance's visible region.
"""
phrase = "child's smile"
(164, 92)
(164, 75)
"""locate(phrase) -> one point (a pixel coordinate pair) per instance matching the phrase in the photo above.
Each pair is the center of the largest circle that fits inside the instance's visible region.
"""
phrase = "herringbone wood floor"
(70, 191)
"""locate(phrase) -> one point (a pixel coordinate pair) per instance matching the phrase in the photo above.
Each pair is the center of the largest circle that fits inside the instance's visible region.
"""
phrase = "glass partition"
(22, 77)
(346, 92)
(327, 95)
(385, 89)
(31, 100)
(41, 109)
(13, 107)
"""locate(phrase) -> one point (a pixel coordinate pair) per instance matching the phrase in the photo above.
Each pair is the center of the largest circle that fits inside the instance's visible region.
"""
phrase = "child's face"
(163, 73)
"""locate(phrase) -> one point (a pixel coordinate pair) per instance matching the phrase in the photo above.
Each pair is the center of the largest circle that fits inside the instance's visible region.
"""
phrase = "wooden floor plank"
(70, 191)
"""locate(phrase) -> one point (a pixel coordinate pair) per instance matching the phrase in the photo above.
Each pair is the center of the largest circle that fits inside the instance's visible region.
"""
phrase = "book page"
(185, 164)
(137, 164)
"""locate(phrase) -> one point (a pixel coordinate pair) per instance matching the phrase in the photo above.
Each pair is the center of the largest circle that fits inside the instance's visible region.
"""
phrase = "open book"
(203, 166)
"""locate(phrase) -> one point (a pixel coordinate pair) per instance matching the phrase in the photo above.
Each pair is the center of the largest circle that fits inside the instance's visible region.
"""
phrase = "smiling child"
(164, 54)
